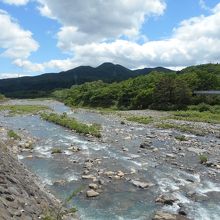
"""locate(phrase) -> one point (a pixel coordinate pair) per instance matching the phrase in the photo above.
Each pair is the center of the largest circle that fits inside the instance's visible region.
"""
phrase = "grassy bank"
(140, 119)
(182, 128)
(73, 124)
(199, 113)
(195, 116)
(23, 109)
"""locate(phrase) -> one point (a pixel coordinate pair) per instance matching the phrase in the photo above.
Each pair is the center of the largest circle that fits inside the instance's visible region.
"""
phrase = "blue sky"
(51, 35)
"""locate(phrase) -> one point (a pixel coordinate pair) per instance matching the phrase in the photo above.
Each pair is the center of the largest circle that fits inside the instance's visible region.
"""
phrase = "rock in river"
(92, 193)
(93, 186)
(146, 144)
(166, 199)
(161, 215)
(140, 184)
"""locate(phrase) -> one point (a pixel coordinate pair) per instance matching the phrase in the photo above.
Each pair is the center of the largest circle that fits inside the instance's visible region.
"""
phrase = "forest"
(156, 90)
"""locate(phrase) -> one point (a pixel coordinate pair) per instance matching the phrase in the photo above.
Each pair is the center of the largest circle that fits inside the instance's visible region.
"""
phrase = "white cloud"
(16, 42)
(40, 67)
(16, 2)
(98, 20)
(28, 65)
(11, 75)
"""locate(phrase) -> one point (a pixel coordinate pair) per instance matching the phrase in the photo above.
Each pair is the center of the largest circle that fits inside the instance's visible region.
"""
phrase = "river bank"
(22, 196)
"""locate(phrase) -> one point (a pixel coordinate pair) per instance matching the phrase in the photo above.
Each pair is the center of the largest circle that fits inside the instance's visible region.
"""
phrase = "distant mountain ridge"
(38, 86)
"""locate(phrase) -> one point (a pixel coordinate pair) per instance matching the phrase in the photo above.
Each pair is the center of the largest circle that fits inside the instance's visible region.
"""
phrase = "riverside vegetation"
(72, 124)
(23, 109)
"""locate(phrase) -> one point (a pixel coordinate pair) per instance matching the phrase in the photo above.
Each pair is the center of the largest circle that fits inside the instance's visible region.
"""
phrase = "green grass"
(23, 109)
(182, 128)
(199, 113)
(73, 124)
(140, 119)
(181, 138)
(14, 135)
(203, 158)
(197, 116)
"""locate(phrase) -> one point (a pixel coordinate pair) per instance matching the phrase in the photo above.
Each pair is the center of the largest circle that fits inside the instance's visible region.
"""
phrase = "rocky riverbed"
(134, 171)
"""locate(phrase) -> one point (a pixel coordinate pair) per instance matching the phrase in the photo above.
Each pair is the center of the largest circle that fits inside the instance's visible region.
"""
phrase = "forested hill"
(39, 86)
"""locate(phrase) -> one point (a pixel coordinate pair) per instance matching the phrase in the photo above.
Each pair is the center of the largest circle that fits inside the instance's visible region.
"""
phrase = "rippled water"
(119, 199)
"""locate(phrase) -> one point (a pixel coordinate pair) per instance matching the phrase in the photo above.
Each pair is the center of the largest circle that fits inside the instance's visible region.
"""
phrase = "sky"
(39, 36)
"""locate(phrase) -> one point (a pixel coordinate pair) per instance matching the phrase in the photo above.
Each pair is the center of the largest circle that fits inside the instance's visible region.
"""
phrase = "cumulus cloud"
(98, 20)
(16, 42)
(16, 2)
(40, 67)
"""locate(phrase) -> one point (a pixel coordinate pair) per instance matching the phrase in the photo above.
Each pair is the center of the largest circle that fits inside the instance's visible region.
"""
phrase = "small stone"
(9, 198)
(109, 173)
(88, 177)
(125, 149)
(141, 184)
(166, 199)
(182, 212)
(120, 173)
(164, 216)
(93, 186)
(132, 171)
(172, 156)
(85, 172)
(101, 182)
(145, 144)
(91, 193)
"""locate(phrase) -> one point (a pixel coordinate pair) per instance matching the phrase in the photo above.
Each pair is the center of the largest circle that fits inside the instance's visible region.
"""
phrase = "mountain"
(38, 86)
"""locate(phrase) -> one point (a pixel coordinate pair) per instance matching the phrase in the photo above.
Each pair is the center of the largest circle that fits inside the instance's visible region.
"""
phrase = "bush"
(14, 135)
(202, 107)
(203, 158)
(181, 138)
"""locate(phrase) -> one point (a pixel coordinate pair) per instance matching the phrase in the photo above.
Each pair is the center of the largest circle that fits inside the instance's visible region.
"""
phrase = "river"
(118, 150)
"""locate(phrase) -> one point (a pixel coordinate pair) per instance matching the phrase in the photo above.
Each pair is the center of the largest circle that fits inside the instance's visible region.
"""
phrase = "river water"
(119, 199)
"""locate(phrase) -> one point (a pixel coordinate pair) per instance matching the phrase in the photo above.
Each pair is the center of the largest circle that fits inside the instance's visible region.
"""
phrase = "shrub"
(14, 135)
(181, 138)
(203, 158)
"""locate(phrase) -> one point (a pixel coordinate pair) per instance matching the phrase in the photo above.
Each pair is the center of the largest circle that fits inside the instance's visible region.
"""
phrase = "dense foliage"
(156, 90)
